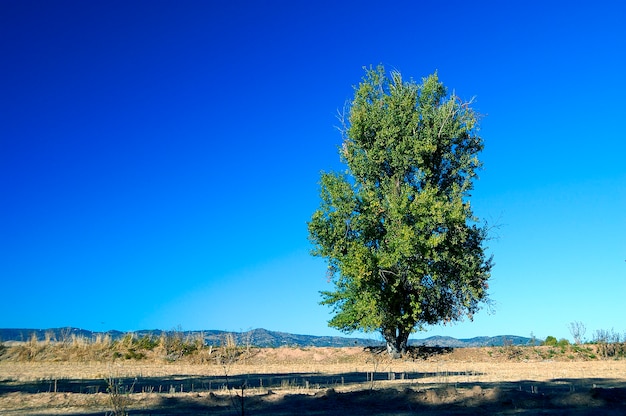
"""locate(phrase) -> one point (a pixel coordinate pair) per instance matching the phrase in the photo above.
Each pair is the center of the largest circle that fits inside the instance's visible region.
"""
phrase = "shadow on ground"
(324, 396)
(414, 352)
(197, 384)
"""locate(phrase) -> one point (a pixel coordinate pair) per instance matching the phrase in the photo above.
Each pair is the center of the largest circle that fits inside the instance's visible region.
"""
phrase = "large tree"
(404, 249)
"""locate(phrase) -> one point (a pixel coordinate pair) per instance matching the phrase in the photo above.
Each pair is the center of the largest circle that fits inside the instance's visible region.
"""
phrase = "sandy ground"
(321, 381)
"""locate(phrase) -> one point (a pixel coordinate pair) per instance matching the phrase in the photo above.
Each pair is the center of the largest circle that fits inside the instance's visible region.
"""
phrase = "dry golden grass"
(456, 366)
(309, 381)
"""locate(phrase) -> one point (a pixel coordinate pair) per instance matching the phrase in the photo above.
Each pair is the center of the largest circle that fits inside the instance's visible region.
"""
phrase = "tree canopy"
(404, 249)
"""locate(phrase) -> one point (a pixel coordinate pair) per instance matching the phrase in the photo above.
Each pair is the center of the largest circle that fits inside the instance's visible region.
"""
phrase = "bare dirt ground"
(323, 381)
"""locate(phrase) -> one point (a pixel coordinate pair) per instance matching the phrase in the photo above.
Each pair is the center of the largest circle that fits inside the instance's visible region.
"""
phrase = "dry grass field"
(38, 378)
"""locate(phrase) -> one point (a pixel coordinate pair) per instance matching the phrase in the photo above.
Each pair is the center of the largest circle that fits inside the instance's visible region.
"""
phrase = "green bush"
(132, 348)
(147, 342)
(132, 354)
(550, 341)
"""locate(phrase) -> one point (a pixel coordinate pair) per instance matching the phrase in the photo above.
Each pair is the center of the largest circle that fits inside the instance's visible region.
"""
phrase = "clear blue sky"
(159, 160)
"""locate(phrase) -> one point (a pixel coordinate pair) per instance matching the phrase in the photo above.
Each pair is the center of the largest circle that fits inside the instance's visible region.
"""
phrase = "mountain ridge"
(257, 337)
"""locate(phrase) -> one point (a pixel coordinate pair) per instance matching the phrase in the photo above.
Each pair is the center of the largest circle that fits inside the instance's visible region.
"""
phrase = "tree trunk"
(397, 341)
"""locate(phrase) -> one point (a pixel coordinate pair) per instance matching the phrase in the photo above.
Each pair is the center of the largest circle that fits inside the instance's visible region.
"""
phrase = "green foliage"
(132, 348)
(552, 353)
(147, 342)
(403, 247)
(563, 343)
(550, 341)
(565, 350)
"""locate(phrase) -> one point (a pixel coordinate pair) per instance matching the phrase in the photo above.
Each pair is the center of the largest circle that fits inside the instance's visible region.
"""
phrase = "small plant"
(511, 351)
(551, 353)
(119, 396)
(376, 360)
(227, 356)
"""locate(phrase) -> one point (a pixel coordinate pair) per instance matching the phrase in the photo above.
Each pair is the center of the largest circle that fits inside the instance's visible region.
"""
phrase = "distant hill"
(258, 337)
(496, 341)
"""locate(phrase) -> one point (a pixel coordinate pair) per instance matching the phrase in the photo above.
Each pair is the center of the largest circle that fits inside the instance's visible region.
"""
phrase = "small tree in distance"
(578, 330)
(403, 247)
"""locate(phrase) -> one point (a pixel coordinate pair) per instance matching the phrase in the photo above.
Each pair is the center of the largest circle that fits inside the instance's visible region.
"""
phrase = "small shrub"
(147, 342)
(132, 354)
(612, 350)
(550, 341)
(30, 350)
(119, 396)
(514, 353)
(174, 345)
(609, 344)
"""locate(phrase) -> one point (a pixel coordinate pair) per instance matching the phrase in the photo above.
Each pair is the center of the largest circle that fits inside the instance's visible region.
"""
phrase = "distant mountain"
(257, 337)
(496, 341)
(265, 338)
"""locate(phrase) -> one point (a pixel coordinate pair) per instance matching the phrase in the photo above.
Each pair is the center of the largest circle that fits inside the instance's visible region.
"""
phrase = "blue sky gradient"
(159, 160)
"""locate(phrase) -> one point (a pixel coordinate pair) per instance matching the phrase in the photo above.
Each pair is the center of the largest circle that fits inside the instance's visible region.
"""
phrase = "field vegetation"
(175, 374)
